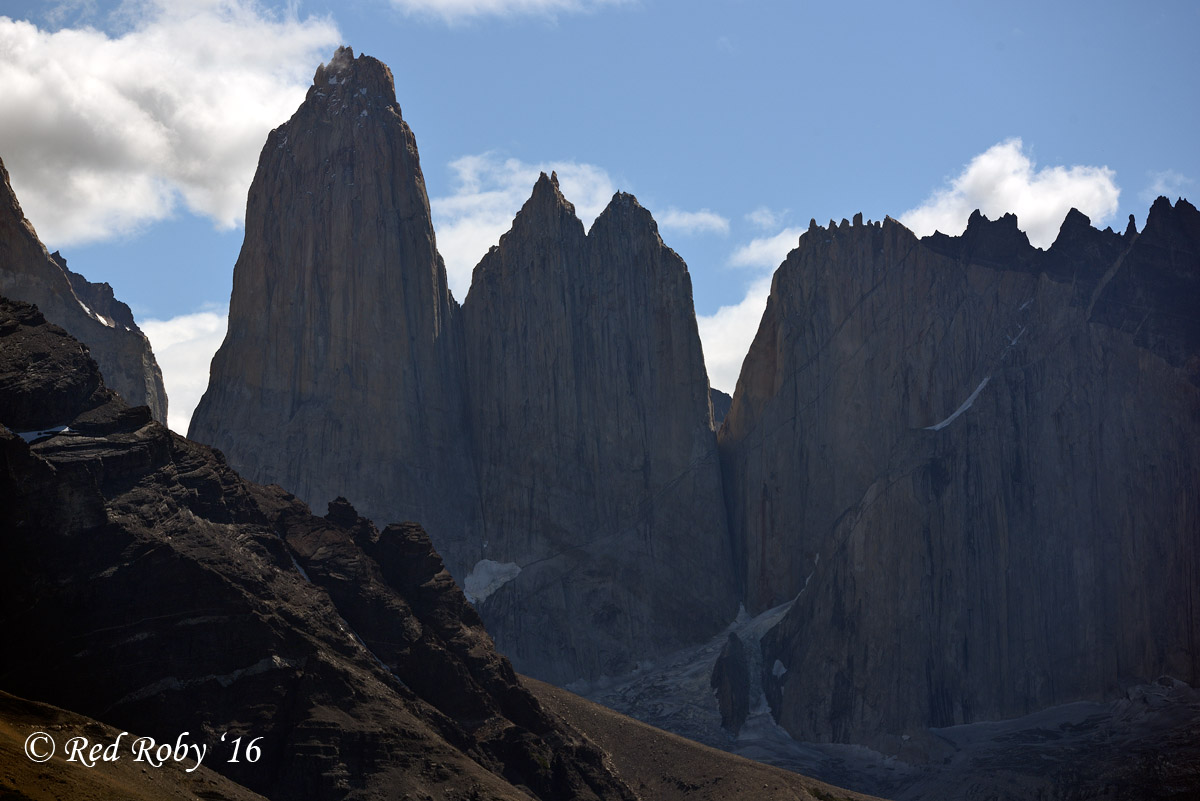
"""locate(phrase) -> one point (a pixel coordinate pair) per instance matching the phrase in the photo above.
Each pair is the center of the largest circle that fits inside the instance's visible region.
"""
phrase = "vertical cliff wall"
(572, 482)
(88, 311)
(598, 467)
(342, 371)
(975, 466)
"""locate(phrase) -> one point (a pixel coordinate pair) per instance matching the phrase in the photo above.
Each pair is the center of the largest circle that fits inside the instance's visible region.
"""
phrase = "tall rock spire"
(597, 459)
(571, 388)
(341, 372)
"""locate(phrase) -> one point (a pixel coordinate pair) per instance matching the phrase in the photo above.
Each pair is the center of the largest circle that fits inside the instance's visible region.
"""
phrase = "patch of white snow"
(45, 433)
(486, 577)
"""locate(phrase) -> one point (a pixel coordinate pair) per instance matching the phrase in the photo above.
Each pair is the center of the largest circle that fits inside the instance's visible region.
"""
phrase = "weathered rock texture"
(578, 456)
(731, 683)
(720, 404)
(88, 311)
(145, 584)
(598, 466)
(341, 373)
(977, 465)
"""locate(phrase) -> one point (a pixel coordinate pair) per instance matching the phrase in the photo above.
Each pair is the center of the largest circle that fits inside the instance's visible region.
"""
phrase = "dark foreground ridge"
(151, 587)
(146, 585)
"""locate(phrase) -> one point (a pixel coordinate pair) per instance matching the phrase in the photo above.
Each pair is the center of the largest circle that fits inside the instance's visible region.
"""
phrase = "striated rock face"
(554, 435)
(974, 465)
(597, 461)
(341, 373)
(151, 587)
(88, 311)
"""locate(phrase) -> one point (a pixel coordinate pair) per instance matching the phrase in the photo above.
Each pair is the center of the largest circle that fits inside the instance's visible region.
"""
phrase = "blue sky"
(131, 129)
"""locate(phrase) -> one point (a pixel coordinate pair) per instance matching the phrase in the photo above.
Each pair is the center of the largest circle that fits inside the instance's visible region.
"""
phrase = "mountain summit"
(597, 461)
(341, 373)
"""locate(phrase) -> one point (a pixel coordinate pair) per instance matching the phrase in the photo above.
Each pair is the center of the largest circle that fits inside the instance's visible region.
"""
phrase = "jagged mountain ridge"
(88, 310)
(975, 476)
(594, 442)
(851, 454)
(533, 443)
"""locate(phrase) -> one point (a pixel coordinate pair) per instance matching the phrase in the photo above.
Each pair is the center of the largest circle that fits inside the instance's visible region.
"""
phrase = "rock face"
(149, 586)
(720, 404)
(88, 311)
(341, 373)
(554, 435)
(597, 461)
(974, 465)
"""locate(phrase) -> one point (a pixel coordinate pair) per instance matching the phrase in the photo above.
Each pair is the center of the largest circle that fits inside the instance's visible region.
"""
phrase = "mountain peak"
(546, 198)
(368, 75)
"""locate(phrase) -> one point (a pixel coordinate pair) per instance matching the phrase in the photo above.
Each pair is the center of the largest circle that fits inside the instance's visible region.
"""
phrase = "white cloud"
(104, 134)
(766, 252)
(184, 347)
(1167, 183)
(727, 333)
(765, 218)
(457, 10)
(694, 222)
(488, 193)
(1003, 179)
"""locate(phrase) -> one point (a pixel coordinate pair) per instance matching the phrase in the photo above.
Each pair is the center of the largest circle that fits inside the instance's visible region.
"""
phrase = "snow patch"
(45, 433)
(777, 670)
(100, 318)
(486, 577)
(966, 405)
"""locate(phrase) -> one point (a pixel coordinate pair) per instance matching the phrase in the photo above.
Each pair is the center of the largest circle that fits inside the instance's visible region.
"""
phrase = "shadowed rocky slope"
(89, 311)
(974, 465)
(151, 587)
(593, 430)
(22, 779)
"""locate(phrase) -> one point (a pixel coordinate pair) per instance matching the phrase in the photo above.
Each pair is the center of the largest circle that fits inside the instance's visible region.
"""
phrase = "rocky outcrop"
(341, 373)
(88, 311)
(145, 584)
(720, 404)
(731, 684)
(598, 467)
(973, 465)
